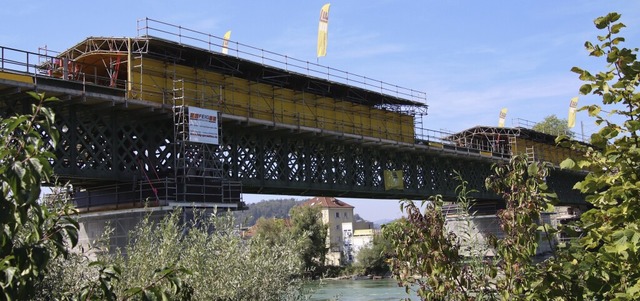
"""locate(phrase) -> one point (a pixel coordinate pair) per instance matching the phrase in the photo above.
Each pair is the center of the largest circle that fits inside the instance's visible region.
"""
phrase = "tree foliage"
(429, 258)
(522, 186)
(207, 261)
(554, 126)
(278, 208)
(32, 234)
(372, 259)
(307, 223)
(272, 230)
(604, 262)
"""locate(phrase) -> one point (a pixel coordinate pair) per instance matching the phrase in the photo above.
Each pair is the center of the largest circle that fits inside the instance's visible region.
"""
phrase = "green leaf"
(567, 164)
(533, 169)
(133, 291)
(633, 125)
(36, 95)
(615, 28)
(594, 110)
(585, 89)
(577, 70)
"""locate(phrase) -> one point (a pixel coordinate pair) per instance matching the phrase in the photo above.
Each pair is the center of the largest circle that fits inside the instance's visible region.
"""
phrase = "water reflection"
(356, 290)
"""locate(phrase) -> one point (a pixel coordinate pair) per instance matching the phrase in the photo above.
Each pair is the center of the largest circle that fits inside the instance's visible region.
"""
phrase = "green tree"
(429, 257)
(554, 126)
(32, 234)
(426, 257)
(272, 230)
(522, 185)
(603, 263)
(222, 265)
(278, 208)
(306, 222)
(372, 259)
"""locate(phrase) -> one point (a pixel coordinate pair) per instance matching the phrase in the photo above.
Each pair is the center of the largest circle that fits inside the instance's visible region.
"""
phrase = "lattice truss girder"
(313, 164)
(110, 145)
(198, 156)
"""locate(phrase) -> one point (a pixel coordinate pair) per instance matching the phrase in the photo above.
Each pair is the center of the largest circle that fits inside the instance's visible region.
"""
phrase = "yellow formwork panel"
(544, 152)
(286, 106)
(16, 77)
(150, 84)
(154, 81)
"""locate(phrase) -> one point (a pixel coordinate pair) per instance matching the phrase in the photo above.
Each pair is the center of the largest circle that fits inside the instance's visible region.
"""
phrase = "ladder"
(512, 145)
(530, 152)
(199, 173)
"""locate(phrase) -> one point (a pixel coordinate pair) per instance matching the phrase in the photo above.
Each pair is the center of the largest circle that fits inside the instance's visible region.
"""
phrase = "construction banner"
(203, 125)
(225, 42)
(573, 106)
(393, 179)
(322, 30)
(503, 117)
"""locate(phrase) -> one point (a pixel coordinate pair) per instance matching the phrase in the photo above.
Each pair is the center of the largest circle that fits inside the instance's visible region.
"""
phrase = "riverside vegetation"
(38, 258)
(601, 263)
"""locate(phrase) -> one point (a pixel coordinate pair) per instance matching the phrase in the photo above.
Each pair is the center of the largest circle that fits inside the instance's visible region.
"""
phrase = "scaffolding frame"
(198, 171)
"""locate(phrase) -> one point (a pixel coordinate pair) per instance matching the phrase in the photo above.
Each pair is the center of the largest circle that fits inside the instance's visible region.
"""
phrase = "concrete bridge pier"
(474, 229)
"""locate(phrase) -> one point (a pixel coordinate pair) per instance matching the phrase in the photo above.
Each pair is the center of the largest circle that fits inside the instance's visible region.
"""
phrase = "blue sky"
(471, 57)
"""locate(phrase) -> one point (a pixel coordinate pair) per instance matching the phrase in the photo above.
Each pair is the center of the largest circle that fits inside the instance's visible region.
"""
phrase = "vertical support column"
(349, 163)
(283, 160)
(365, 168)
(113, 141)
(307, 162)
(65, 68)
(260, 150)
(129, 68)
(235, 158)
(72, 128)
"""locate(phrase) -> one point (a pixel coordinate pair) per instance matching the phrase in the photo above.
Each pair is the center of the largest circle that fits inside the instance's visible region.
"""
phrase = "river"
(358, 290)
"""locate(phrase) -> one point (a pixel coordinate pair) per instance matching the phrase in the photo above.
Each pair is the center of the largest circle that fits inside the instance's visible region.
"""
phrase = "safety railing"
(182, 35)
(120, 196)
(41, 65)
(18, 60)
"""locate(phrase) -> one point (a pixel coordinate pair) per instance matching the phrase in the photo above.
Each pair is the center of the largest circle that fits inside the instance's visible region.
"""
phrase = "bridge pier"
(119, 223)
(475, 228)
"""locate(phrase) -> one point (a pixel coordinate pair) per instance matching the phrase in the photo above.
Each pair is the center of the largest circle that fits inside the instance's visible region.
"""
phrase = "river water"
(359, 290)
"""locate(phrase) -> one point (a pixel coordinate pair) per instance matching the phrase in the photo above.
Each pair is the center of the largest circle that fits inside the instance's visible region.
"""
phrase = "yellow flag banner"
(322, 30)
(225, 42)
(573, 107)
(393, 179)
(503, 117)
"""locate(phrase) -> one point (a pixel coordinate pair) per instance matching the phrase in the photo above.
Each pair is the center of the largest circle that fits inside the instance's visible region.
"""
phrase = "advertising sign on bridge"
(203, 125)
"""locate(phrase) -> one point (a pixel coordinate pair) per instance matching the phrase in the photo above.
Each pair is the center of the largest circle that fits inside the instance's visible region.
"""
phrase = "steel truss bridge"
(124, 149)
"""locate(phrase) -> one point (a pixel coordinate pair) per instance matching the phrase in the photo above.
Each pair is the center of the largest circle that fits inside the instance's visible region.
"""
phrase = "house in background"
(362, 238)
(338, 216)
